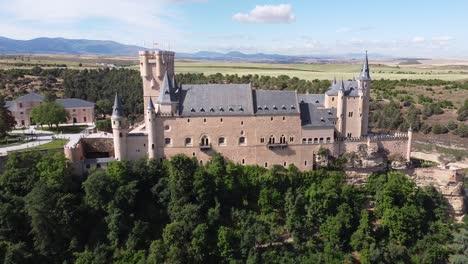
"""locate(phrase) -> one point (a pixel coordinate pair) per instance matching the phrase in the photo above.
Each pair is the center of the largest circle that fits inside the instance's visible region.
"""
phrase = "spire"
(150, 105)
(342, 87)
(117, 108)
(165, 97)
(365, 72)
(334, 80)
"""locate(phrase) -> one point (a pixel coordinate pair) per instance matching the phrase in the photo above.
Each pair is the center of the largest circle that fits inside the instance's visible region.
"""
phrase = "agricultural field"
(327, 71)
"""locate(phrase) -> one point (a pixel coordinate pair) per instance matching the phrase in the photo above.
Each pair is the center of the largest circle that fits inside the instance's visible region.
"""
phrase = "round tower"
(119, 130)
(364, 86)
(340, 108)
(150, 119)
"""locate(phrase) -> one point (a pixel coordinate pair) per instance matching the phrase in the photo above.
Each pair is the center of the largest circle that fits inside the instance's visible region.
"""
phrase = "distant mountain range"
(112, 48)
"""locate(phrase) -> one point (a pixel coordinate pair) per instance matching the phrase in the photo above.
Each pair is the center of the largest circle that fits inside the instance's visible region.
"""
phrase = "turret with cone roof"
(119, 130)
(365, 71)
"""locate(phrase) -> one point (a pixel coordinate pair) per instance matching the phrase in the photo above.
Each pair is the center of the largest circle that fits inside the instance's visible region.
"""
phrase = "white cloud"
(441, 41)
(273, 14)
(343, 30)
(418, 40)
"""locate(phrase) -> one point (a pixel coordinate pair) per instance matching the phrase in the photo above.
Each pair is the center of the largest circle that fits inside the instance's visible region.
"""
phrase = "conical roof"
(117, 110)
(166, 96)
(150, 105)
(365, 73)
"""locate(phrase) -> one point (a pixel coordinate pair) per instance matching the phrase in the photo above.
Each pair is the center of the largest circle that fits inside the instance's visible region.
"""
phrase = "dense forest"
(179, 211)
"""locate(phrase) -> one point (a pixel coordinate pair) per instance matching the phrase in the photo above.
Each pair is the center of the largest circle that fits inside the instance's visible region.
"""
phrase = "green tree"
(104, 107)
(7, 121)
(49, 113)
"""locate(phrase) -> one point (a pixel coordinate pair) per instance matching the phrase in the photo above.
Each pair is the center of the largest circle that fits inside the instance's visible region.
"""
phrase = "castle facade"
(245, 125)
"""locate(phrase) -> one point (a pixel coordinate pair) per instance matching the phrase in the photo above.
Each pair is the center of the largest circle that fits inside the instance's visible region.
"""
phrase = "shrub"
(452, 125)
(439, 129)
(104, 125)
(462, 130)
(425, 128)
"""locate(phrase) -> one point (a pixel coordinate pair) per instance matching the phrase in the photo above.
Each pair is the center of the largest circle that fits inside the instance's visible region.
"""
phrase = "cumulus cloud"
(272, 14)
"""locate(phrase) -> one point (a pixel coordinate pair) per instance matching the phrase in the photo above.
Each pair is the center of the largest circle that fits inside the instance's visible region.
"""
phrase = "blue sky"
(401, 28)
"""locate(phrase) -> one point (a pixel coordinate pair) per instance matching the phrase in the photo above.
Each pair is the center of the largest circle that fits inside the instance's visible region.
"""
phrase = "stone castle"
(245, 125)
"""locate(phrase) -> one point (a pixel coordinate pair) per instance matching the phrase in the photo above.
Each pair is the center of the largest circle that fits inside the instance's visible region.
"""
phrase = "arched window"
(242, 141)
(282, 139)
(205, 141)
(315, 140)
(222, 141)
(321, 140)
(120, 134)
(310, 141)
(328, 139)
(271, 140)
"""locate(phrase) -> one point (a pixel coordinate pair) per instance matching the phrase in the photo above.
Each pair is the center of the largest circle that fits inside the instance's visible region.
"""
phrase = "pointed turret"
(342, 87)
(150, 105)
(334, 80)
(117, 111)
(365, 72)
(165, 97)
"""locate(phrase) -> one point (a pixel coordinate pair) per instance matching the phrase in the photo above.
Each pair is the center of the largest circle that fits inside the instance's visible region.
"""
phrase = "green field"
(323, 71)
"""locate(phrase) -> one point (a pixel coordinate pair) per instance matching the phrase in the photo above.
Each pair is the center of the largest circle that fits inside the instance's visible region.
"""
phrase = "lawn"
(64, 129)
(55, 144)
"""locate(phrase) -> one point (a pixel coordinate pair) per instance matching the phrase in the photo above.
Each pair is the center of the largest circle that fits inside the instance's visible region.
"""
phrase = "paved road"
(43, 137)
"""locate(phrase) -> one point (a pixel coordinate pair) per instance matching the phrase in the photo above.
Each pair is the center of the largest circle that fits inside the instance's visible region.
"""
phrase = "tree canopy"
(49, 113)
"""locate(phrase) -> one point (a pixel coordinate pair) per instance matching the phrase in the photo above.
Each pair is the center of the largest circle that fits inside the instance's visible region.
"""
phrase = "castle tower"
(154, 66)
(340, 108)
(364, 86)
(119, 130)
(410, 142)
(150, 128)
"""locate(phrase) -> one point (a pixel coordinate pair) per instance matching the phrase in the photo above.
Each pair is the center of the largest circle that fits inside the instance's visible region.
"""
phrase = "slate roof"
(351, 88)
(30, 97)
(10, 105)
(117, 108)
(316, 99)
(167, 95)
(365, 72)
(312, 117)
(268, 102)
(215, 99)
(74, 103)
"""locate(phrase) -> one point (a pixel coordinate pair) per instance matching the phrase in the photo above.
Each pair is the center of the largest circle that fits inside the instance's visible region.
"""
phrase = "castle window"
(114, 122)
(315, 140)
(188, 120)
(333, 99)
(84, 110)
(205, 141)
(271, 140)
(316, 101)
(243, 161)
(188, 141)
(284, 164)
(204, 120)
(211, 109)
(291, 139)
(282, 139)
(309, 141)
(266, 164)
(265, 107)
(305, 162)
(284, 118)
(193, 154)
(283, 107)
(304, 140)
(328, 139)
(262, 140)
(242, 123)
(74, 110)
(84, 119)
(350, 114)
(293, 107)
(242, 132)
(221, 120)
(21, 105)
(242, 141)
(275, 108)
(201, 162)
(120, 134)
(21, 113)
(321, 140)
(152, 146)
(166, 127)
(349, 135)
(241, 109)
(202, 109)
(221, 109)
(271, 118)
(231, 109)
(259, 108)
(222, 141)
(167, 141)
(192, 110)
